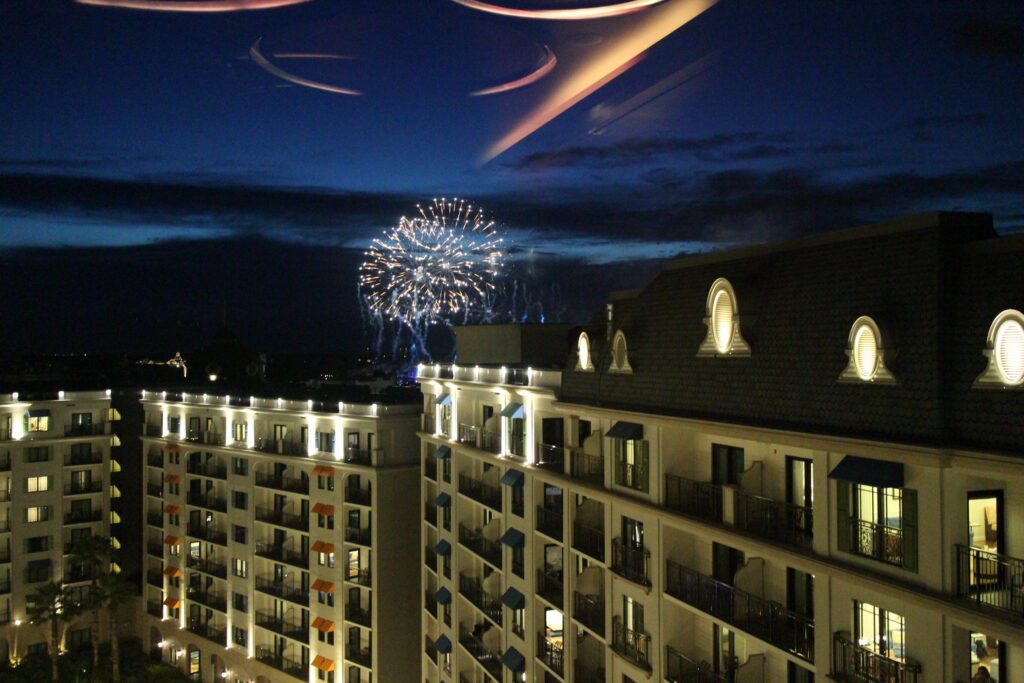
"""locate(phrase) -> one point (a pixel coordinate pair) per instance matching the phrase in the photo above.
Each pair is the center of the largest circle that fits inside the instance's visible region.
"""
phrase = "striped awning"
(172, 571)
(323, 663)
(170, 540)
(172, 603)
(323, 509)
(323, 471)
(172, 509)
(322, 586)
(322, 547)
(323, 625)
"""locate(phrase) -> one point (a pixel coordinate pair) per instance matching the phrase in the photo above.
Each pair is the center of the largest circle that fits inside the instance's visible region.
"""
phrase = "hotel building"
(278, 538)
(796, 462)
(55, 466)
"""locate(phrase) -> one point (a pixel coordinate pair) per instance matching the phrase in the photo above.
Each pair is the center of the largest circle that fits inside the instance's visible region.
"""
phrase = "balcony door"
(800, 481)
(632, 614)
(725, 561)
(553, 431)
(985, 516)
(193, 427)
(879, 630)
(632, 533)
(726, 465)
(728, 650)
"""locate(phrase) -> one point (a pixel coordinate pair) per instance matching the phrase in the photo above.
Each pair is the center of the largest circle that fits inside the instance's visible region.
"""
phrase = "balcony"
(446, 426)
(587, 674)
(550, 587)
(490, 441)
(635, 473)
(278, 589)
(78, 574)
(282, 518)
(77, 488)
(207, 533)
(485, 494)
(281, 447)
(208, 501)
(551, 654)
(97, 429)
(681, 669)
(491, 661)
(430, 558)
(429, 649)
(359, 536)
(155, 519)
(155, 608)
(208, 469)
(284, 627)
(363, 656)
(430, 514)
(634, 646)
(550, 457)
(155, 549)
(279, 553)
(88, 458)
(199, 436)
(83, 516)
(474, 541)
(473, 590)
(430, 604)
(430, 468)
(153, 429)
(5, 461)
(358, 615)
(429, 420)
(851, 662)
(468, 434)
(283, 664)
(990, 579)
(586, 467)
(155, 460)
(358, 496)
(360, 456)
(208, 630)
(775, 520)
(217, 601)
(589, 611)
(694, 498)
(631, 562)
(207, 566)
(155, 490)
(289, 484)
(877, 541)
(588, 539)
(764, 619)
(549, 522)
(517, 444)
(363, 577)
(155, 577)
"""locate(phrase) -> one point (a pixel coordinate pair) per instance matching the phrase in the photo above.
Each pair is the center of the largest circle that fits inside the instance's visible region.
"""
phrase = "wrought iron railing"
(279, 589)
(473, 589)
(588, 539)
(991, 579)
(878, 541)
(207, 566)
(696, 498)
(282, 518)
(489, 659)
(775, 519)
(550, 586)
(852, 662)
(550, 457)
(210, 501)
(287, 665)
(631, 562)
(474, 540)
(589, 611)
(279, 553)
(634, 645)
(681, 669)
(485, 494)
(281, 483)
(551, 654)
(586, 467)
(549, 522)
(286, 627)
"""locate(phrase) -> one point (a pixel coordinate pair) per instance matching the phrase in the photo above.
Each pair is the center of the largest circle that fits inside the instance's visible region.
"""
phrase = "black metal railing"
(634, 645)
(549, 522)
(360, 655)
(358, 496)
(155, 549)
(154, 608)
(990, 579)
(208, 533)
(490, 441)
(284, 664)
(155, 519)
(279, 553)
(467, 434)
(430, 513)
(285, 627)
(430, 468)
(153, 429)
(764, 619)
(852, 662)
(430, 558)
(586, 467)
(681, 669)
(489, 659)
(550, 586)
(208, 469)
(82, 516)
(774, 519)
(279, 589)
(588, 539)
(155, 459)
(631, 562)
(551, 654)
(550, 457)
(695, 498)
(155, 577)
(878, 541)
(589, 611)
(207, 566)
(357, 614)
(359, 456)
(430, 604)
(473, 540)
(584, 673)
(91, 429)
(517, 444)
(80, 487)
(360, 536)
(156, 490)
(485, 494)
(209, 630)
(281, 447)
(363, 577)
(473, 590)
(83, 458)
(282, 518)
(635, 474)
(282, 483)
(209, 500)
(217, 601)
(5, 462)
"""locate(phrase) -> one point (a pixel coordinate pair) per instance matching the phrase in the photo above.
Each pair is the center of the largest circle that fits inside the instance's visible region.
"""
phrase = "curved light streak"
(573, 14)
(195, 6)
(309, 55)
(266, 65)
(550, 60)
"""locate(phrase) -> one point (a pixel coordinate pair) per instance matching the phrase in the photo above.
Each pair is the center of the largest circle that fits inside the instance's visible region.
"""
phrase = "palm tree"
(114, 592)
(93, 553)
(51, 603)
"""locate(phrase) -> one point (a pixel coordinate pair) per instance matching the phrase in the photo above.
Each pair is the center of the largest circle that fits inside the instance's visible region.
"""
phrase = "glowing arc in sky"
(573, 14)
(550, 60)
(266, 65)
(194, 6)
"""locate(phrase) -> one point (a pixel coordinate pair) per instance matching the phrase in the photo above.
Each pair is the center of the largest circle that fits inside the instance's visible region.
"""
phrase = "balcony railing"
(357, 614)
(430, 468)
(490, 441)
(631, 562)
(550, 586)
(681, 669)
(695, 498)
(358, 496)
(583, 673)
(155, 577)
(990, 579)
(468, 434)
(360, 655)
(429, 420)
(877, 541)
(281, 483)
(95, 429)
(635, 646)
(155, 460)
(208, 469)
(200, 436)
(589, 611)
(472, 588)
(271, 551)
(764, 619)
(363, 577)
(155, 519)
(635, 474)
(549, 522)
(359, 536)
(361, 456)
(155, 608)
(490, 660)
(852, 662)
(153, 429)
(588, 539)
(474, 541)
(284, 664)
(430, 649)
(485, 494)
(446, 425)
(207, 533)
(87, 458)
(430, 558)
(83, 516)
(517, 444)
(156, 490)
(551, 654)
(430, 604)
(279, 589)
(208, 630)
(285, 627)
(551, 457)
(207, 566)
(217, 601)
(282, 518)
(155, 549)
(210, 501)
(586, 467)
(281, 447)
(776, 520)
(5, 461)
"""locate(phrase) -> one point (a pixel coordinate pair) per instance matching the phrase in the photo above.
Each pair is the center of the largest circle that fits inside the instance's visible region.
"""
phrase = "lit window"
(867, 354)
(1005, 351)
(583, 360)
(620, 354)
(37, 484)
(723, 322)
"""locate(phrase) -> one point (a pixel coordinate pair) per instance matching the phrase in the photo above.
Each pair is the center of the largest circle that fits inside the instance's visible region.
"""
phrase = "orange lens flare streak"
(196, 6)
(550, 60)
(266, 65)
(574, 14)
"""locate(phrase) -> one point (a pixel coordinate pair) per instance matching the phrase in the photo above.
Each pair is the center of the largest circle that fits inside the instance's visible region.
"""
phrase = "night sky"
(153, 175)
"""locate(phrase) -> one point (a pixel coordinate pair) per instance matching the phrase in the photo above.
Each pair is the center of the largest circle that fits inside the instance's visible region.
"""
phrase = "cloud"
(987, 37)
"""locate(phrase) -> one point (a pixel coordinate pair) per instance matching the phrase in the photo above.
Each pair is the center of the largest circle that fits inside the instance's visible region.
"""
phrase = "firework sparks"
(433, 266)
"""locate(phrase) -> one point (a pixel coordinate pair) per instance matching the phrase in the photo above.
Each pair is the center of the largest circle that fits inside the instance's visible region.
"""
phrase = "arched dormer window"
(866, 354)
(584, 361)
(620, 354)
(722, 319)
(1004, 348)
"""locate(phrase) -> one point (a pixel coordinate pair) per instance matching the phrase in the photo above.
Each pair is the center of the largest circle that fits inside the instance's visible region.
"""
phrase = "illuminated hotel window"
(620, 354)
(723, 322)
(584, 361)
(866, 353)
(1004, 349)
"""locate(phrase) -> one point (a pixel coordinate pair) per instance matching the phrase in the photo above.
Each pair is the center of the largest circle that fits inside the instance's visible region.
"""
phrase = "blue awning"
(442, 500)
(443, 548)
(41, 412)
(514, 410)
(513, 660)
(513, 599)
(443, 596)
(880, 473)
(513, 538)
(443, 645)
(513, 478)
(630, 431)
(443, 452)
(443, 400)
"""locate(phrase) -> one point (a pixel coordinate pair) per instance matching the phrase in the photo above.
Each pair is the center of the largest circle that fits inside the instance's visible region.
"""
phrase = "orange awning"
(323, 509)
(326, 471)
(172, 602)
(172, 447)
(324, 625)
(323, 586)
(172, 478)
(170, 540)
(321, 547)
(172, 571)
(172, 509)
(323, 663)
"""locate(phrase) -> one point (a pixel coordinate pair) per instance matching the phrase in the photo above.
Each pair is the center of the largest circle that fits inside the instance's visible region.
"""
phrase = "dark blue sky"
(131, 137)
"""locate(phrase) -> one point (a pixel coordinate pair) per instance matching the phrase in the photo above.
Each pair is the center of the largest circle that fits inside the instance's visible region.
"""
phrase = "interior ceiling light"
(548, 63)
(565, 14)
(193, 5)
(260, 60)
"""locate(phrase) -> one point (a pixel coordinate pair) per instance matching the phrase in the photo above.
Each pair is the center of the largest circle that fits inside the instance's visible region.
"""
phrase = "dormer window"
(723, 322)
(866, 353)
(1004, 349)
(620, 354)
(583, 359)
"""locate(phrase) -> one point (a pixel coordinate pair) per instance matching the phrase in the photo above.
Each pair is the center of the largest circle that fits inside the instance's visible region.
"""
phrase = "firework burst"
(434, 266)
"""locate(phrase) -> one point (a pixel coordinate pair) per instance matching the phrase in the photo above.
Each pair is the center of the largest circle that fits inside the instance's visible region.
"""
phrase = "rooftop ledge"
(284, 405)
